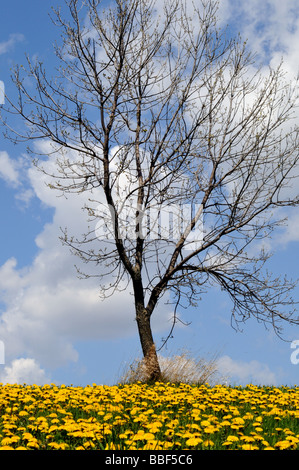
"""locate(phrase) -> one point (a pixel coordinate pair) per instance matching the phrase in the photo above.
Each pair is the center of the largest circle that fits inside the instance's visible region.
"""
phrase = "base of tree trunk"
(151, 364)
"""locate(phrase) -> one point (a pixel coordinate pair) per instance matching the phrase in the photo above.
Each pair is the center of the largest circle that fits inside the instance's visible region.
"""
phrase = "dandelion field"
(139, 416)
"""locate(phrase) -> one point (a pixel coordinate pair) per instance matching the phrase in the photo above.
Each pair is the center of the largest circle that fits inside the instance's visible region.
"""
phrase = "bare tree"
(156, 111)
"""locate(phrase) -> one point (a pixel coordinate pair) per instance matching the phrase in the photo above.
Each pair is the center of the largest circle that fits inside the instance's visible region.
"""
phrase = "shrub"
(176, 369)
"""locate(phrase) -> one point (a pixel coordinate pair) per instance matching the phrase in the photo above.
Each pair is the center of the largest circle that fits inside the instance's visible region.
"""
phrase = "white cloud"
(244, 373)
(25, 196)
(271, 28)
(24, 371)
(8, 169)
(48, 308)
(6, 46)
(291, 231)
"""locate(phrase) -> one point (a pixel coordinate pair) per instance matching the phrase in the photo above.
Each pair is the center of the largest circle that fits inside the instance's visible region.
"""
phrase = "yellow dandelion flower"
(205, 423)
(6, 441)
(247, 438)
(150, 445)
(88, 444)
(108, 416)
(33, 443)
(257, 437)
(249, 447)
(54, 445)
(283, 444)
(193, 441)
(232, 438)
(27, 436)
(148, 436)
(139, 436)
(208, 443)
(111, 446)
(154, 427)
(195, 426)
(52, 428)
(238, 421)
(225, 423)
(210, 429)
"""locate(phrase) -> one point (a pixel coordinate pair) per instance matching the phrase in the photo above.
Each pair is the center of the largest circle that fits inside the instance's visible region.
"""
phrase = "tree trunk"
(153, 371)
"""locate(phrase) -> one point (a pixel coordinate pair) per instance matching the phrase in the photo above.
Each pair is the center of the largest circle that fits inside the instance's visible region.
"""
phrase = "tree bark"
(153, 371)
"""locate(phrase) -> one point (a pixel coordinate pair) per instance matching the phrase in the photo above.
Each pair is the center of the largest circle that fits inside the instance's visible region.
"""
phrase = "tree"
(153, 113)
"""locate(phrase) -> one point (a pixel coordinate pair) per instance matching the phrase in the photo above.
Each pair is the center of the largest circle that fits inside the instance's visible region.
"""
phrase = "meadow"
(139, 416)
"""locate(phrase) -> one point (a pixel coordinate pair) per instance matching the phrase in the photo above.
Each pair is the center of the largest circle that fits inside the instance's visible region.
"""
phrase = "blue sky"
(54, 326)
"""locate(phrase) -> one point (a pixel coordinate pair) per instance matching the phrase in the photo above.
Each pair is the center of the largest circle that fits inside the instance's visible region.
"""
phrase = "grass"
(176, 369)
(172, 415)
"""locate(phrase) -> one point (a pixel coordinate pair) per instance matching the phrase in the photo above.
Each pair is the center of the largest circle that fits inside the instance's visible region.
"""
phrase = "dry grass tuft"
(176, 369)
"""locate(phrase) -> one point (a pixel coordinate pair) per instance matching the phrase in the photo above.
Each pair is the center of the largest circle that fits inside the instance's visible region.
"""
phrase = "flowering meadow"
(139, 416)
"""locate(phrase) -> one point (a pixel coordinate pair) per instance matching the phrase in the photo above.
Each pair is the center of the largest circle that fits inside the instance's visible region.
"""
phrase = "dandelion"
(57, 445)
(210, 429)
(150, 445)
(193, 441)
(208, 443)
(238, 421)
(225, 423)
(33, 443)
(6, 441)
(139, 436)
(232, 438)
(247, 438)
(148, 436)
(259, 429)
(154, 427)
(27, 436)
(283, 444)
(249, 447)
(205, 423)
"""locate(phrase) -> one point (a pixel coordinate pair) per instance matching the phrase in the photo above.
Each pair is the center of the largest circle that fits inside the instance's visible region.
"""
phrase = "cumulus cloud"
(6, 46)
(291, 234)
(243, 372)
(271, 28)
(47, 308)
(24, 371)
(8, 169)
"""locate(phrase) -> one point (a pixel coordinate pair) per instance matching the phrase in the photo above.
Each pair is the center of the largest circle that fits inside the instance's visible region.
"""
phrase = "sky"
(54, 327)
